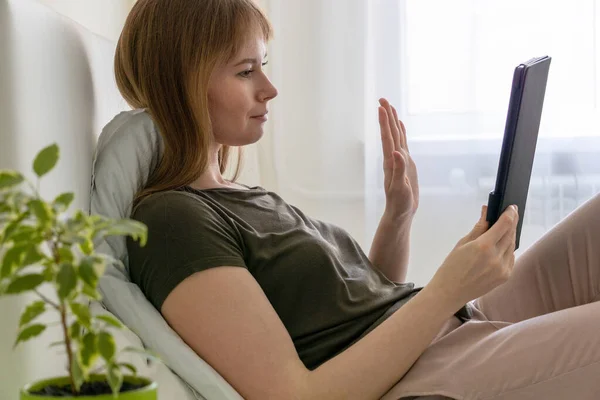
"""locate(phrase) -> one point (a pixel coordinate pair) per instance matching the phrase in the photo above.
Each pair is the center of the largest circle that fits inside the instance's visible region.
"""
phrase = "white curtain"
(447, 67)
(318, 125)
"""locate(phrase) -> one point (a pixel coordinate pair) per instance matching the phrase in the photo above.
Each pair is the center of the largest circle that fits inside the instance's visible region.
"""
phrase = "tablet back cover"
(520, 139)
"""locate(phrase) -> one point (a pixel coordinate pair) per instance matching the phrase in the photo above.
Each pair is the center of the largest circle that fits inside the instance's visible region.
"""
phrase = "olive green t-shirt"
(315, 275)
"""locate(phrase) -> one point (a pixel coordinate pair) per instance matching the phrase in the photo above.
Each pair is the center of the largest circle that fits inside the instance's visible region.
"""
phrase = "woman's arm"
(391, 247)
(223, 314)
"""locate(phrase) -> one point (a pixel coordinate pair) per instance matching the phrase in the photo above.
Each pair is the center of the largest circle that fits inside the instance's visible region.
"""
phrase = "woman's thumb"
(479, 229)
(481, 226)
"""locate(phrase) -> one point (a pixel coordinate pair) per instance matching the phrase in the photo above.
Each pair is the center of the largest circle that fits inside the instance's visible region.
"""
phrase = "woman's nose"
(269, 93)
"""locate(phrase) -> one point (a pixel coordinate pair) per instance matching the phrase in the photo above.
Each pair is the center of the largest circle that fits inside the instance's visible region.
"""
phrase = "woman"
(284, 306)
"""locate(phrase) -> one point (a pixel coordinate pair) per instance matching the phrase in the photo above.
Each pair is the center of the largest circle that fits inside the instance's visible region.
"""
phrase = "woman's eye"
(246, 74)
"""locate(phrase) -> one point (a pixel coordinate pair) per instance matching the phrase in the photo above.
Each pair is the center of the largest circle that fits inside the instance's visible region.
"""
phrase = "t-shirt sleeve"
(185, 236)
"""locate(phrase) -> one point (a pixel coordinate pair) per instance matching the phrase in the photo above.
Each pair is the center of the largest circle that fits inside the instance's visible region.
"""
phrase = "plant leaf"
(91, 292)
(109, 319)
(32, 311)
(75, 330)
(9, 178)
(12, 227)
(26, 233)
(29, 333)
(63, 201)
(106, 346)
(86, 246)
(41, 210)
(49, 273)
(11, 259)
(3, 286)
(17, 200)
(89, 350)
(129, 366)
(77, 373)
(102, 259)
(115, 379)
(66, 280)
(87, 273)
(91, 268)
(99, 222)
(54, 344)
(66, 254)
(24, 283)
(148, 354)
(82, 313)
(46, 160)
(129, 227)
(32, 256)
(4, 206)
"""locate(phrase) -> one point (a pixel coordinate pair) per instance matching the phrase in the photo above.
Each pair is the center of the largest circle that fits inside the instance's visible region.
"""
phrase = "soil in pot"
(87, 389)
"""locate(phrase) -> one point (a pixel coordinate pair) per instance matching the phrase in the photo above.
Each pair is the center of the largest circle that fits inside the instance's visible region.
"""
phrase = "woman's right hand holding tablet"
(480, 261)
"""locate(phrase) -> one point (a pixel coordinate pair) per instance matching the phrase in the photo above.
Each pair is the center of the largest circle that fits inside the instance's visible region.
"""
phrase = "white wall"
(65, 101)
(104, 17)
(38, 106)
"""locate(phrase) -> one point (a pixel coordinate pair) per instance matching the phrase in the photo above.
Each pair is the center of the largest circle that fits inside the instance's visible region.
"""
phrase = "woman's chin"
(255, 135)
(246, 139)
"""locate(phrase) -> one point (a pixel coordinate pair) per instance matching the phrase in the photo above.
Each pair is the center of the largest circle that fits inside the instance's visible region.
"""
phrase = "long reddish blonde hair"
(164, 59)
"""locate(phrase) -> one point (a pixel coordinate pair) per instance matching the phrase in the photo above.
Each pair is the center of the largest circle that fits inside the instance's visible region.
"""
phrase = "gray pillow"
(128, 149)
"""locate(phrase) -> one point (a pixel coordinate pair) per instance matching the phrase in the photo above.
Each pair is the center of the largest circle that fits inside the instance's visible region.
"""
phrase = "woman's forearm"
(370, 367)
(391, 247)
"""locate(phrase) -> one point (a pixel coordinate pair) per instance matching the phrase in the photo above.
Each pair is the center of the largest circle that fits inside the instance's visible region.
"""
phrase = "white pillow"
(128, 149)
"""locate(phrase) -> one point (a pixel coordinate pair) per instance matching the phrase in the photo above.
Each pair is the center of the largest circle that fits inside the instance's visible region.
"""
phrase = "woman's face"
(238, 95)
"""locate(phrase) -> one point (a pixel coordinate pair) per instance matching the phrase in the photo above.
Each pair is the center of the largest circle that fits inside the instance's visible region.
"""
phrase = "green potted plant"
(41, 246)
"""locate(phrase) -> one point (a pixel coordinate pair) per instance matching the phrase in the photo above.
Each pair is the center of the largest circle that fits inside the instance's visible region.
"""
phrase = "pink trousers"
(535, 337)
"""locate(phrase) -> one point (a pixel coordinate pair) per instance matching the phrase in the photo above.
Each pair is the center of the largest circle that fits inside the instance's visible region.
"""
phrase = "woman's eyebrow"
(248, 61)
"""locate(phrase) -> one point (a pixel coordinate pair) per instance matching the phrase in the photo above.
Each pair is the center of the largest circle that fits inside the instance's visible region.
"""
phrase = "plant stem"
(35, 190)
(63, 318)
(47, 300)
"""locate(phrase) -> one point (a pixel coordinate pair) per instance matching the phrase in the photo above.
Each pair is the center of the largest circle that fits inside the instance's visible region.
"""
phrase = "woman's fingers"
(387, 142)
(397, 128)
(401, 129)
(393, 131)
(509, 252)
(506, 242)
(393, 122)
(506, 221)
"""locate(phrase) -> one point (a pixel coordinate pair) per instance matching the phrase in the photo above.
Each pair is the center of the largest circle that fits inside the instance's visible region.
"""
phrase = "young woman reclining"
(285, 306)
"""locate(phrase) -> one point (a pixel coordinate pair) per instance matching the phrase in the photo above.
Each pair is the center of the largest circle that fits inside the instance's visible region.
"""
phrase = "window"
(459, 57)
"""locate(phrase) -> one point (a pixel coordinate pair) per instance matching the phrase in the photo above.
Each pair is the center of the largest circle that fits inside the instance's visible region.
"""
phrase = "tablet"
(520, 139)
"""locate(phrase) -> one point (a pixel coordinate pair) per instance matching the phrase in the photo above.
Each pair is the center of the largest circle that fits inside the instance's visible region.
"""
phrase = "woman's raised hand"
(401, 183)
